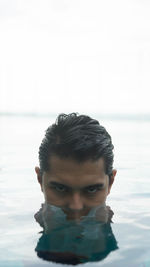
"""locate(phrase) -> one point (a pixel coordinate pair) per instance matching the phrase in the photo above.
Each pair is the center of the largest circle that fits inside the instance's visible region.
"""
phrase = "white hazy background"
(75, 55)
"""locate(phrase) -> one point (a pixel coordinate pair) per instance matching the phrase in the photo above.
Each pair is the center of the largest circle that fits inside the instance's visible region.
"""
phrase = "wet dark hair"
(78, 137)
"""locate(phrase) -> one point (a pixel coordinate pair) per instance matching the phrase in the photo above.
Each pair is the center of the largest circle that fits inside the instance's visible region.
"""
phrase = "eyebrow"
(56, 183)
(98, 185)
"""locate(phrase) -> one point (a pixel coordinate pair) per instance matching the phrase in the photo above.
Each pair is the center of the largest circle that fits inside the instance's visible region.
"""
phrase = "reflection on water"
(73, 242)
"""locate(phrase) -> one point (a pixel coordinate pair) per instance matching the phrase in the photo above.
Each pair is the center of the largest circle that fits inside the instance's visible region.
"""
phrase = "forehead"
(71, 172)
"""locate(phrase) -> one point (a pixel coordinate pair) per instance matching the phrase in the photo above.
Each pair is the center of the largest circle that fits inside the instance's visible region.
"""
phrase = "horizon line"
(114, 116)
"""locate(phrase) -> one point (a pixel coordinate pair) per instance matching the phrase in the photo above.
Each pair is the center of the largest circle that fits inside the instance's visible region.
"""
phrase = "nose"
(75, 202)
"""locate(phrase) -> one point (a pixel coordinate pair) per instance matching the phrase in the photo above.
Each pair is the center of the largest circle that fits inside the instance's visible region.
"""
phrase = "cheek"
(99, 199)
(52, 198)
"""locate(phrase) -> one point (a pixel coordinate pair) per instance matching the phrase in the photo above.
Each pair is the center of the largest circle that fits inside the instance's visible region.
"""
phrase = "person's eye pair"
(63, 189)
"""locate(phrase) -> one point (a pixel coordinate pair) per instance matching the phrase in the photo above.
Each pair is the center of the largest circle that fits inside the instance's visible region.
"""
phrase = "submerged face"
(75, 187)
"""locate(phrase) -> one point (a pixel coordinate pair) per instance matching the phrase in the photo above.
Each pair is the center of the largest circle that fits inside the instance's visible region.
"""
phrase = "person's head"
(76, 164)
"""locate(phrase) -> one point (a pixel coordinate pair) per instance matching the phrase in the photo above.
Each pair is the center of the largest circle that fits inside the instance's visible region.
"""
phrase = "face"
(75, 187)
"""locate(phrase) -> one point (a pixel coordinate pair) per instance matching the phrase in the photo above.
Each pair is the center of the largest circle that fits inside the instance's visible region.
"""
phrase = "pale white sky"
(75, 55)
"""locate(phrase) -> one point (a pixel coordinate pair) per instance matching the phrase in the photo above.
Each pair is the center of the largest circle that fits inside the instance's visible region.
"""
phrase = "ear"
(39, 176)
(111, 179)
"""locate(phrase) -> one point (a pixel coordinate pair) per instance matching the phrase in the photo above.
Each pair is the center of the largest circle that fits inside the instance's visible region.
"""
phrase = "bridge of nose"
(76, 201)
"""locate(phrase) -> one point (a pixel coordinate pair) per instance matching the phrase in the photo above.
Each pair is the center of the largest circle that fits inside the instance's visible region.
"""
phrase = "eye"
(91, 190)
(60, 188)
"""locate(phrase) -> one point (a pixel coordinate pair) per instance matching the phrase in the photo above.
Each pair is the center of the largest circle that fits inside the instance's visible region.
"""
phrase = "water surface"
(21, 198)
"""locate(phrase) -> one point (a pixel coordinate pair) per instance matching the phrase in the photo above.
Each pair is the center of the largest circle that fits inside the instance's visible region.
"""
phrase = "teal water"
(21, 198)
